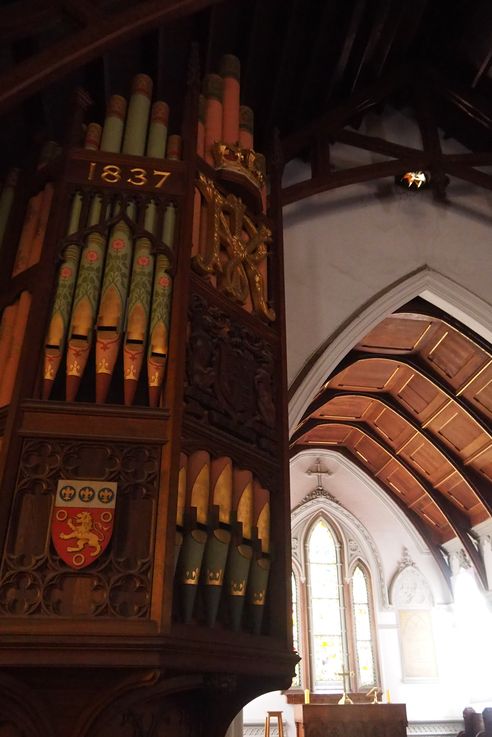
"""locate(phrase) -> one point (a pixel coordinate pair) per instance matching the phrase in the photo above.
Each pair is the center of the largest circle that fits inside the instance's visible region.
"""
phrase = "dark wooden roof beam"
(353, 29)
(469, 102)
(353, 175)
(360, 102)
(407, 29)
(320, 53)
(468, 174)
(480, 158)
(378, 23)
(388, 38)
(77, 49)
(286, 60)
(13, 18)
(430, 136)
(376, 145)
(84, 12)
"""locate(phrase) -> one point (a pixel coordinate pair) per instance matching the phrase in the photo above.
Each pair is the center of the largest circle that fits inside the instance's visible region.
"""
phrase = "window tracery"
(333, 613)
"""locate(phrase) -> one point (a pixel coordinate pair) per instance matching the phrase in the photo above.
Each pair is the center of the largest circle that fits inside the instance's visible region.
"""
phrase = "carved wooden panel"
(34, 580)
(179, 715)
(393, 428)
(230, 377)
(426, 460)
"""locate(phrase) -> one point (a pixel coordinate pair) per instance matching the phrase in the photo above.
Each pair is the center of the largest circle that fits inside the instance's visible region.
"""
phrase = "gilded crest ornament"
(235, 249)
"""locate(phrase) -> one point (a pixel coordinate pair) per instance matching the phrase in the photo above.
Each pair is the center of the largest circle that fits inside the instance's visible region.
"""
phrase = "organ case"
(143, 342)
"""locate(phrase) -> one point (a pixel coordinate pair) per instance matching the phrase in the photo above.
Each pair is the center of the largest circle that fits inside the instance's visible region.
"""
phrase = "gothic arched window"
(363, 627)
(335, 605)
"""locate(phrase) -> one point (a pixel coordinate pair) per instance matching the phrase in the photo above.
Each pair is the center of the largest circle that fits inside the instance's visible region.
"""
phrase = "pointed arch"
(329, 641)
(427, 283)
(363, 628)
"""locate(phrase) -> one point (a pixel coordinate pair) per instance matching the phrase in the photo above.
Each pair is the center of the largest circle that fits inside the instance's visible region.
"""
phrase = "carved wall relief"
(34, 580)
(230, 376)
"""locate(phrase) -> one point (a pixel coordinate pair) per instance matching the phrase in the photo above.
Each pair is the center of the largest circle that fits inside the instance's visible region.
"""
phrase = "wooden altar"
(350, 720)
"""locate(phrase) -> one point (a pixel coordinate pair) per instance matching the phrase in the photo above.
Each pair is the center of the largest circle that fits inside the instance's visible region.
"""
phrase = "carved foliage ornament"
(235, 249)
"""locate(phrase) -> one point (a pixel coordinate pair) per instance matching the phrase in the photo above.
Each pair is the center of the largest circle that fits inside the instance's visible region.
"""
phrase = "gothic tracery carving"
(34, 580)
(230, 376)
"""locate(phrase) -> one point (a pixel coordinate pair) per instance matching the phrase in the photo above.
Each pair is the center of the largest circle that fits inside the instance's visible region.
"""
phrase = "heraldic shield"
(83, 519)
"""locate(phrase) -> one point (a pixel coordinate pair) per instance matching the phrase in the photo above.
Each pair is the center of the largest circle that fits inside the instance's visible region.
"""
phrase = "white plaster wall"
(346, 246)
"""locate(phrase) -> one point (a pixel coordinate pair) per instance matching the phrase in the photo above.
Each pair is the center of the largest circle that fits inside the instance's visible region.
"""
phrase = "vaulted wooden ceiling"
(300, 59)
(412, 405)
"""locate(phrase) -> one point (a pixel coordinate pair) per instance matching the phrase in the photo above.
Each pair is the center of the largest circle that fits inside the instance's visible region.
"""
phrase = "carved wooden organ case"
(144, 509)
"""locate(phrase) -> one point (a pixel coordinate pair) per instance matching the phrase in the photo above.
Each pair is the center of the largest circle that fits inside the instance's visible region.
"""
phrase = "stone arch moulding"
(444, 293)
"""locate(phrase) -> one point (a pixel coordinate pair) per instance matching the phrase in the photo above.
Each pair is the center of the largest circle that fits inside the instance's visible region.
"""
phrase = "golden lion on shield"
(86, 532)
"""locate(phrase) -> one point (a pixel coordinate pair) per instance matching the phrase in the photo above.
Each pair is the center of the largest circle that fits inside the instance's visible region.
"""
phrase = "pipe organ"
(144, 510)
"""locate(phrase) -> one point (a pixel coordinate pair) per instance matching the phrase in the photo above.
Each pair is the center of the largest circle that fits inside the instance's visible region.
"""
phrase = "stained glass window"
(336, 602)
(327, 633)
(366, 675)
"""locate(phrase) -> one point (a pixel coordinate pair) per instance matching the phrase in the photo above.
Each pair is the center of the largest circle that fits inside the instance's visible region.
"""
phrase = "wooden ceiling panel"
(454, 357)
(459, 431)
(390, 425)
(431, 513)
(398, 335)
(372, 454)
(460, 493)
(327, 434)
(373, 375)
(419, 395)
(479, 391)
(345, 407)
(483, 462)
(426, 459)
(402, 481)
